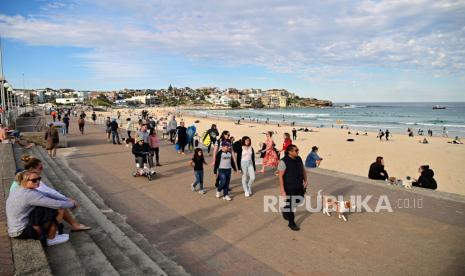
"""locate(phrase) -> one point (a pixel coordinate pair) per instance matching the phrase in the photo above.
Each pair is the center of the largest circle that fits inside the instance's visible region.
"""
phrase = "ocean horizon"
(360, 116)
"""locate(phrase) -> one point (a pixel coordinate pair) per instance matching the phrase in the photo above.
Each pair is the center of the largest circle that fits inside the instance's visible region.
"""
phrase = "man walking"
(172, 126)
(292, 183)
(114, 132)
(294, 134)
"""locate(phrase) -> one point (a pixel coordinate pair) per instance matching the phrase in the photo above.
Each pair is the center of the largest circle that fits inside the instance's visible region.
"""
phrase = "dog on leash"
(330, 204)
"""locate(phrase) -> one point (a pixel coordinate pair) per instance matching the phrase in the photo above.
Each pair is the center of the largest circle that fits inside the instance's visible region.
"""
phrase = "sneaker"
(202, 192)
(57, 240)
(218, 194)
(294, 227)
(247, 194)
(193, 187)
(227, 198)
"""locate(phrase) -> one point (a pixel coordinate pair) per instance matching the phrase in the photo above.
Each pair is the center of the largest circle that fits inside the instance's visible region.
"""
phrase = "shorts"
(41, 216)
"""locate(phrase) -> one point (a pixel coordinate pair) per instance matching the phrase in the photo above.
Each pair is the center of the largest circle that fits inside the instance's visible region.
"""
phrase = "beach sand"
(402, 154)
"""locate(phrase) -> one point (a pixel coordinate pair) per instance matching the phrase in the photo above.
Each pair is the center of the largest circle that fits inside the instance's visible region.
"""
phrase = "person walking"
(108, 128)
(294, 134)
(181, 132)
(94, 116)
(387, 133)
(270, 158)
(129, 127)
(213, 133)
(52, 139)
(224, 165)
(114, 132)
(292, 183)
(197, 162)
(245, 156)
(172, 127)
(154, 144)
(287, 141)
(66, 122)
(81, 123)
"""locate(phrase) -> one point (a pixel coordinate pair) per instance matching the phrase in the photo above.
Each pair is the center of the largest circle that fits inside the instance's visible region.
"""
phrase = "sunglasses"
(35, 180)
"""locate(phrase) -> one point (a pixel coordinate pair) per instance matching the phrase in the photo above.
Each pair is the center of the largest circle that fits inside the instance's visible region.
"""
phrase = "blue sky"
(345, 51)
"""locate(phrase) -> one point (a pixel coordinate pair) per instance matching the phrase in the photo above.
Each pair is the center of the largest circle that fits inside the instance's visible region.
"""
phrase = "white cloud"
(325, 39)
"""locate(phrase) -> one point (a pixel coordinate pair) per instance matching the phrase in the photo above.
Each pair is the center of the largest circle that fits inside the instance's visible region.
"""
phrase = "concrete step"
(85, 256)
(96, 248)
(121, 251)
(166, 264)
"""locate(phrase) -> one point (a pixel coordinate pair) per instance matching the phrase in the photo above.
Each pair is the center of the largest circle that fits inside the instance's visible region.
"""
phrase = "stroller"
(146, 170)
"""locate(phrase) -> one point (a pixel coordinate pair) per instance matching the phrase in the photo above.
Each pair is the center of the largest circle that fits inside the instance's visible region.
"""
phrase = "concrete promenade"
(209, 236)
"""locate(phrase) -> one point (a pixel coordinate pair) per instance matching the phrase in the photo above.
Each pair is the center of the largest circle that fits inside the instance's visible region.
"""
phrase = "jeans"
(225, 178)
(114, 134)
(198, 179)
(247, 172)
(129, 134)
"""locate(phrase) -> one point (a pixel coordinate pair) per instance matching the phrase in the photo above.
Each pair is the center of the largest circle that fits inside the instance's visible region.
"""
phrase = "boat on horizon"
(439, 107)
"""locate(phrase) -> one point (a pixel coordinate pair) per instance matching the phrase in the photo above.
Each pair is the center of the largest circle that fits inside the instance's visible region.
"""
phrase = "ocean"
(396, 117)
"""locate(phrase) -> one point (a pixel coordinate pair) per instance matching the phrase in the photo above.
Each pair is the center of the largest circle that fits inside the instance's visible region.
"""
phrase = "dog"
(129, 141)
(330, 204)
(407, 182)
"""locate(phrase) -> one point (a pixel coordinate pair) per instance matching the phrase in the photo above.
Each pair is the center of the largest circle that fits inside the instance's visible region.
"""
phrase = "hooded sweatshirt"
(426, 180)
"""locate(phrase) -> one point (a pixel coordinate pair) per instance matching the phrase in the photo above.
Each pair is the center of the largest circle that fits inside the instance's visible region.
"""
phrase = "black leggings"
(156, 151)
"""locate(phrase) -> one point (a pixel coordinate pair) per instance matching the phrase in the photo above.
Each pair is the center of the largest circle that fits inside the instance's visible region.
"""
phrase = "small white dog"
(330, 204)
(408, 182)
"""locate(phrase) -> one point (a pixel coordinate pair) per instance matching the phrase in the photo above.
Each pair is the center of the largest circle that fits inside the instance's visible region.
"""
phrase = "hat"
(225, 144)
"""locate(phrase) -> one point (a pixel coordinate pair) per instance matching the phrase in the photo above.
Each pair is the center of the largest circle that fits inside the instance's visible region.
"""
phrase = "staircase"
(111, 247)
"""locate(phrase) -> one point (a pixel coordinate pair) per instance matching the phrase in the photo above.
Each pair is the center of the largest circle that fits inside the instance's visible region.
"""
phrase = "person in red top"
(286, 143)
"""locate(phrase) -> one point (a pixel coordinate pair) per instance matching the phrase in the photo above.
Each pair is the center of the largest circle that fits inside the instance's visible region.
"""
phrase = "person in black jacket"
(377, 171)
(213, 133)
(426, 179)
(292, 182)
(224, 162)
(114, 132)
(245, 157)
(142, 154)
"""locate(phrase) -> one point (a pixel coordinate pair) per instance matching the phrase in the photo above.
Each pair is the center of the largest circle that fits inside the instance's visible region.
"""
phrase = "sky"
(344, 51)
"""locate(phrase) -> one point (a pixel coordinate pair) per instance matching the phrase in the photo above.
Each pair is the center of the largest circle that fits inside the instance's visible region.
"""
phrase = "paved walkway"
(7, 170)
(209, 236)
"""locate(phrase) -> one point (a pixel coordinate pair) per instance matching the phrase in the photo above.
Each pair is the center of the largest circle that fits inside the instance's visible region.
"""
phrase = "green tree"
(234, 104)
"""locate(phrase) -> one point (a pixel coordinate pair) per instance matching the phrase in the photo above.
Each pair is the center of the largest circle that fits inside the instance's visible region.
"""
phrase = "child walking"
(197, 163)
(224, 164)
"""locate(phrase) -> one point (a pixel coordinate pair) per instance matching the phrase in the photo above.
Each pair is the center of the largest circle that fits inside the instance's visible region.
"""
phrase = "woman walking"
(270, 158)
(197, 163)
(154, 145)
(286, 143)
(246, 163)
(129, 127)
(81, 123)
(182, 137)
(52, 139)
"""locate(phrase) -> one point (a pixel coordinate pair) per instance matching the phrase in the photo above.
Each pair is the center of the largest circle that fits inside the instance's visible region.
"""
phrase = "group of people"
(426, 179)
(238, 156)
(36, 211)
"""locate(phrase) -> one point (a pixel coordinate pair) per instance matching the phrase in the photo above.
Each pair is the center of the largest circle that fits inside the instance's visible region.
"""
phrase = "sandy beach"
(402, 154)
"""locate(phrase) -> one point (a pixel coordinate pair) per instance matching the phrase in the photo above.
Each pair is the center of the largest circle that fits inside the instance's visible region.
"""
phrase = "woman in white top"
(246, 162)
(129, 127)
